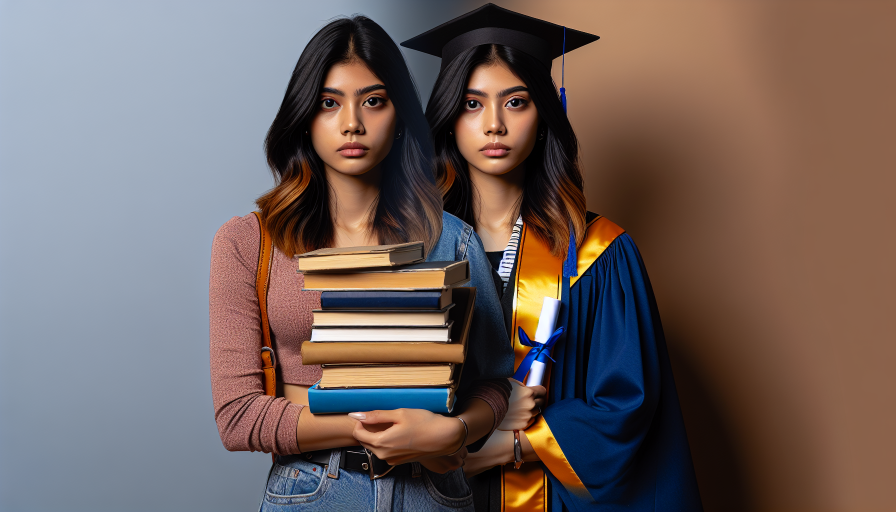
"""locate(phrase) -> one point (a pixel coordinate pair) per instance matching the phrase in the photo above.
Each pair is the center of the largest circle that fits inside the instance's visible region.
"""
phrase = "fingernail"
(358, 415)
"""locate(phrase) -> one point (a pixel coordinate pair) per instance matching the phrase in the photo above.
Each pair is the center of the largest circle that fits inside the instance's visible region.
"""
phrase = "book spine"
(324, 401)
(333, 300)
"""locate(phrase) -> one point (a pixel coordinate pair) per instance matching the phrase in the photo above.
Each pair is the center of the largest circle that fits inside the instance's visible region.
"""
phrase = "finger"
(538, 391)
(539, 402)
(371, 417)
(514, 382)
(365, 437)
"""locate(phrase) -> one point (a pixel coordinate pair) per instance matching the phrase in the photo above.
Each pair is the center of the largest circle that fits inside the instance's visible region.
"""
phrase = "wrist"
(460, 439)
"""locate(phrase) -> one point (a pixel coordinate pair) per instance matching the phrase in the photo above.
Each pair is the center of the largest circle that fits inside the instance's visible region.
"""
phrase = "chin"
(497, 168)
(352, 170)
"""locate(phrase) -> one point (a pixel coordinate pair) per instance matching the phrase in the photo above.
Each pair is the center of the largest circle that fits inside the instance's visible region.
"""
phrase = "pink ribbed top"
(247, 418)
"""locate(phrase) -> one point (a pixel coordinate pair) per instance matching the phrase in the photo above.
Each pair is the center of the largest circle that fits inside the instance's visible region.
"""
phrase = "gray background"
(129, 132)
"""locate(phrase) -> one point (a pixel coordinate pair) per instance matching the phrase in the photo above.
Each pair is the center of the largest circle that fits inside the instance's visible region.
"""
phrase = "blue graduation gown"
(613, 407)
(613, 424)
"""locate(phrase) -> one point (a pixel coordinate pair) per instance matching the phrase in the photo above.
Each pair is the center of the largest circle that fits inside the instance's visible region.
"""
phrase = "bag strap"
(262, 280)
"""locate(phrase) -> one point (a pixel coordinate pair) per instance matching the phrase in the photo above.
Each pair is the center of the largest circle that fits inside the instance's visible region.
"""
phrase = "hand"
(445, 463)
(498, 450)
(524, 406)
(409, 434)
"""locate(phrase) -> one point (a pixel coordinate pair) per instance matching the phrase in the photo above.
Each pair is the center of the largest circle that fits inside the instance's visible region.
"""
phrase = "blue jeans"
(295, 484)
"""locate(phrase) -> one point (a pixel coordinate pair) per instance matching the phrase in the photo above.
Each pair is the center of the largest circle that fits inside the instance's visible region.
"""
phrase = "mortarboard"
(491, 24)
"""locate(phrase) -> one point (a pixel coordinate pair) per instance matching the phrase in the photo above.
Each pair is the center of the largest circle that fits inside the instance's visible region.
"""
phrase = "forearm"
(479, 417)
(324, 431)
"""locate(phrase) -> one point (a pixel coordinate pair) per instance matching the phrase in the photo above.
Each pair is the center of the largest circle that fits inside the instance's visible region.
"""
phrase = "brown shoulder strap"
(262, 279)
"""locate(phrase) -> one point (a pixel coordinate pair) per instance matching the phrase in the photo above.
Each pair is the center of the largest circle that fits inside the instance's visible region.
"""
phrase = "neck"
(496, 202)
(352, 200)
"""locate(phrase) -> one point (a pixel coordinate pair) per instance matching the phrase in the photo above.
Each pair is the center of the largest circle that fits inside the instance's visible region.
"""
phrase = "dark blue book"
(323, 401)
(375, 299)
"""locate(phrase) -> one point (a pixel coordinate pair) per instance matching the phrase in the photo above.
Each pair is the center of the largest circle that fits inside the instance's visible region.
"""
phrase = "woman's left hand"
(407, 435)
(525, 405)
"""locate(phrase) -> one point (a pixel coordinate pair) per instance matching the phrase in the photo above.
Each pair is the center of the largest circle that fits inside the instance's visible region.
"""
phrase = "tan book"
(383, 317)
(360, 257)
(402, 352)
(429, 275)
(382, 352)
(386, 376)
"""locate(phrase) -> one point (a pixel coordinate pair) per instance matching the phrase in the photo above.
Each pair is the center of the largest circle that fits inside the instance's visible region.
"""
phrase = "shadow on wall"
(645, 179)
(721, 470)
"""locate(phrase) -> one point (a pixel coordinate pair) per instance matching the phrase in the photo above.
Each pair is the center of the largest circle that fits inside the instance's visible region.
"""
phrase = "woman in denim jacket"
(350, 152)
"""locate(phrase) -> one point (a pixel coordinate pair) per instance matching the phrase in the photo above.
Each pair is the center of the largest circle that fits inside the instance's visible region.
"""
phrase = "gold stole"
(539, 275)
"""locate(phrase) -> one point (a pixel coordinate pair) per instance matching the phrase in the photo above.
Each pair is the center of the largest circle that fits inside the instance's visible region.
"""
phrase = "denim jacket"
(489, 352)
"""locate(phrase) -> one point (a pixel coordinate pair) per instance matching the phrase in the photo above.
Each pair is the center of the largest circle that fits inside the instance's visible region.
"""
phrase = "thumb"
(373, 417)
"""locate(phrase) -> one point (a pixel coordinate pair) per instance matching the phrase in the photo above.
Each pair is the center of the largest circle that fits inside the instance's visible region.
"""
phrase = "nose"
(351, 121)
(493, 121)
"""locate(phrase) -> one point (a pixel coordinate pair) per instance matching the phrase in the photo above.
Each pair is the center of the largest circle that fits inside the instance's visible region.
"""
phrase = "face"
(354, 127)
(498, 125)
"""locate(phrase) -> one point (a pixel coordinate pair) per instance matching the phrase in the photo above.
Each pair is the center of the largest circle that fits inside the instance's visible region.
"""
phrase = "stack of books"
(392, 330)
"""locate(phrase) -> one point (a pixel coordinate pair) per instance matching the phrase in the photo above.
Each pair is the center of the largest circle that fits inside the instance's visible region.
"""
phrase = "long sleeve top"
(248, 419)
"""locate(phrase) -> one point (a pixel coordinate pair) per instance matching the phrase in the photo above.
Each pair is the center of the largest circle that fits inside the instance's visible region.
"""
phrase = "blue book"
(322, 401)
(423, 299)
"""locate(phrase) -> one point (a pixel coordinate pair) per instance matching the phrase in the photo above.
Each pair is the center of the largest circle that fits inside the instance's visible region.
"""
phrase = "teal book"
(323, 401)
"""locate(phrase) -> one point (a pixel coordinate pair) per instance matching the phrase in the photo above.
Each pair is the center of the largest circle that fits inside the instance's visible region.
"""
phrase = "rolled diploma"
(547, 323)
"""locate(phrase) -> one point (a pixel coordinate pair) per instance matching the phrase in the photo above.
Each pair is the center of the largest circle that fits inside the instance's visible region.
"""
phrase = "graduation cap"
(490, 24)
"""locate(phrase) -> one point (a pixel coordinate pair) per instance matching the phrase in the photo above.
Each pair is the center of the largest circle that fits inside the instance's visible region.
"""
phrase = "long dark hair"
(553, 192)
(296, 211)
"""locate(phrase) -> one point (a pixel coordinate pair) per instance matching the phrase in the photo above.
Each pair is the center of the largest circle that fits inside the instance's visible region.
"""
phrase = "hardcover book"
(427, 275)
(364, 299)
(382, 352)
(363, 333)
(360, 257)
(383, 317)
(324, 401)
(386, 376)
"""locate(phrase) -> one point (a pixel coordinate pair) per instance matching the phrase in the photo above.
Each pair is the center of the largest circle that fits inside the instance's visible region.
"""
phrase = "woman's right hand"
(525, 405)
(407, 435)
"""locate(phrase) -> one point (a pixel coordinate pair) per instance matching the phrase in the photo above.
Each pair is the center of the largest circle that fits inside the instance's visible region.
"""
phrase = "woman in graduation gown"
(610, 435)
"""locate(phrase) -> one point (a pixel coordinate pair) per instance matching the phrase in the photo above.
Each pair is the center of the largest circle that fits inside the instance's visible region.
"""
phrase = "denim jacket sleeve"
(489, 352)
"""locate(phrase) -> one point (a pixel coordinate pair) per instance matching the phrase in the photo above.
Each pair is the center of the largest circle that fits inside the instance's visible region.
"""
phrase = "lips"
(353, 149)
(494, 149)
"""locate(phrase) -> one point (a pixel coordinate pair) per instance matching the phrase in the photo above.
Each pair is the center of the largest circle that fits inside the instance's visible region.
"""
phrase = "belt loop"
(416, 469)
(333, 466)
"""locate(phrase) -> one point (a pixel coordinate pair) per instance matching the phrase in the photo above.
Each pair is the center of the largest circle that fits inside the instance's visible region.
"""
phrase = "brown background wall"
(750, 150)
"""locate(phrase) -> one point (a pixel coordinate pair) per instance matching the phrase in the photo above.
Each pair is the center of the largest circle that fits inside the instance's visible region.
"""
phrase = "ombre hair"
(553, 192)
(296, 212)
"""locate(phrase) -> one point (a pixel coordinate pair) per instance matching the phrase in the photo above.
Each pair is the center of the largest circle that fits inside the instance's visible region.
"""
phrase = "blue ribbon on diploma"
(540, 352)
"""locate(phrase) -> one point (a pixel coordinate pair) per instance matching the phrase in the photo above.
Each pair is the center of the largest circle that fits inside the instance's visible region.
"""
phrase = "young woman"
(351, 155)
(611, 435)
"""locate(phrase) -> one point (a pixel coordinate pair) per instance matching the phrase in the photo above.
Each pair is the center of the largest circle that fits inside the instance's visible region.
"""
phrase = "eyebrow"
(359, 92)
(505, 92)
(370, 88)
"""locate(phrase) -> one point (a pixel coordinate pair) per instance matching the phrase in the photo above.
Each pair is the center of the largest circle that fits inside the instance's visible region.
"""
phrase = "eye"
(516, 103)
(375, 101)
(472, 104)
(328, 104)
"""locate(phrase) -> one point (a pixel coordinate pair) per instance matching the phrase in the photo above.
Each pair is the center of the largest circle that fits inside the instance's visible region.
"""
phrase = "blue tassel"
(563, 74)
(571, 264)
